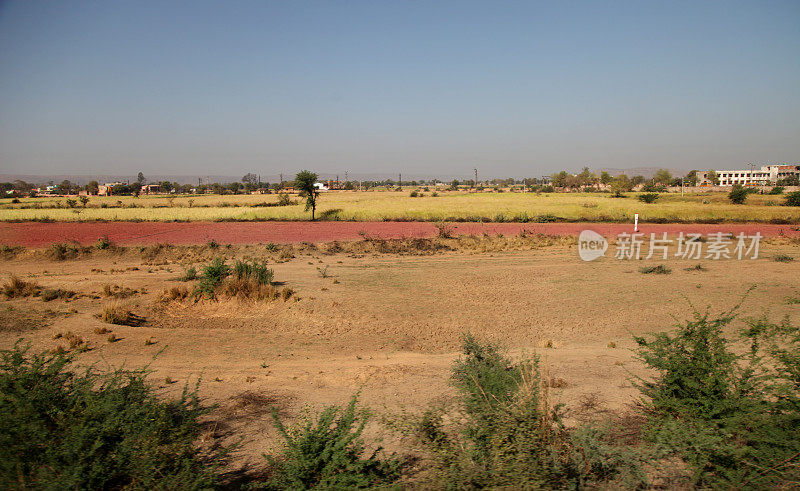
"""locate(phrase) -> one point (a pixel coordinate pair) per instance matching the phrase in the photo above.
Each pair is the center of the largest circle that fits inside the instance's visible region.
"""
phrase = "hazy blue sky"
(516, 88)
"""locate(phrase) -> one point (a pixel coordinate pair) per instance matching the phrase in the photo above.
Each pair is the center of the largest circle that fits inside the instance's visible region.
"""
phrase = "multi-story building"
(766, 175)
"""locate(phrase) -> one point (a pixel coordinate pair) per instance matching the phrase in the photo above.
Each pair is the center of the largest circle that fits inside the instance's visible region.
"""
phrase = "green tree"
(691, 178)
(663, 177)
(738, 194)
(606, 178)
(621, 184)
(713, 177)
(559, 179)
(93, 187)
(304, 182)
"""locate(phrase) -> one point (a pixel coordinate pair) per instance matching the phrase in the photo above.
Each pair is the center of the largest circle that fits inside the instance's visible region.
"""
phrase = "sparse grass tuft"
(782, 258)
(696, 267)
(660, 269)
(16, 287)
(52, 294)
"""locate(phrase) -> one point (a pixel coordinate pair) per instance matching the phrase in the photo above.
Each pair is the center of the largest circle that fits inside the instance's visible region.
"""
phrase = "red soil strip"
(39, 234)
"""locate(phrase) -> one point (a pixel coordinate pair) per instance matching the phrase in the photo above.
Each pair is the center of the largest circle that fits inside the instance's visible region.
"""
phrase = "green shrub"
(510, 437)
(782, 258)
(258, 272)
(413, 194)
(776, 190)
(793, 199)
(61, 251)
(732, 416)
(327, 452)
(103, 243)
(65, 429)
(213, 274)
(189, 274)
(738, 194)
(648, 197)
(285, 200)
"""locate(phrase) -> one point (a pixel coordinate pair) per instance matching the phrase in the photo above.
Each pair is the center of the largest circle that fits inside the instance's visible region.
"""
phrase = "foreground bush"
(734, 418)
(510, 437)
(64, 429)
(327, 452)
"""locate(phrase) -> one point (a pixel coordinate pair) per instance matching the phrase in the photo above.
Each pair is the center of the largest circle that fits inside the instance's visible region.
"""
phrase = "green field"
(384, 205)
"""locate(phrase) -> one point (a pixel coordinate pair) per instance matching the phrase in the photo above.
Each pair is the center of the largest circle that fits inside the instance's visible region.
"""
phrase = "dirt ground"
(42, 234)
(387, 325)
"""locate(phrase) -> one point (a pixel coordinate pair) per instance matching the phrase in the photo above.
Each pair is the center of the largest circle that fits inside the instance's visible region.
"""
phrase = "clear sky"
(429, 87)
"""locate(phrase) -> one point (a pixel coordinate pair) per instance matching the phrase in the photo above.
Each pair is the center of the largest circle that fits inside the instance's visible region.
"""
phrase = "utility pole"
(399, 180)
(476, 178)
(345, 177)
(682, 187)
(281, 185)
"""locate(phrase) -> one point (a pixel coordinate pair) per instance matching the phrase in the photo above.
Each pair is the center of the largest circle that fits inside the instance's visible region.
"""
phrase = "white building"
(766, 175)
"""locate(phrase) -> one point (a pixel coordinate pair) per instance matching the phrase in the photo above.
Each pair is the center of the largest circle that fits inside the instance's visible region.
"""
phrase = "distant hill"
(82, 179)
(193, 179)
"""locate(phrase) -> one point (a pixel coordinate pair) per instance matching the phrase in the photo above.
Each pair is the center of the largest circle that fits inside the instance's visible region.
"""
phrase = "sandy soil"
(388, 326)
(41, 234)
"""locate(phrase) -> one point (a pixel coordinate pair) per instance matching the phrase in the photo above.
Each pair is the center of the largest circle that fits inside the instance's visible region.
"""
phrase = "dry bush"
(101, 330)
(62, 251)
(248, 289)
(73, 340)
(286, 254)
(119, 314)
(17, 287)
(116, 291)
(52, 294)
(174, 293)
(10, 252)
(152, 252)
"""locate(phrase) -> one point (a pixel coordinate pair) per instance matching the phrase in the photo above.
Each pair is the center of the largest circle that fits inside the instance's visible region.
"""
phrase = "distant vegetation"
(442, 205)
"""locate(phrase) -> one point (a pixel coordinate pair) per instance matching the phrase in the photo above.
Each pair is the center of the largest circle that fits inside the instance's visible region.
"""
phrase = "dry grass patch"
(119, 314)
(116, 291)
(57, 293)
(174, 293)
(16, 287)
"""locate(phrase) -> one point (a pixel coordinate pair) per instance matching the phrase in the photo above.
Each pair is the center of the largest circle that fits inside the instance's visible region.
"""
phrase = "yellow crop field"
(394, 205)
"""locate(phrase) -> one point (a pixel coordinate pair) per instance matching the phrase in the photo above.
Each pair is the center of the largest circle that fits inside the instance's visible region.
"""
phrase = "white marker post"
(635, 222)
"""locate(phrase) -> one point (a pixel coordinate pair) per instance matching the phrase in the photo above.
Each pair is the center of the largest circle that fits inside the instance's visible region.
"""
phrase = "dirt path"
(38, 234)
